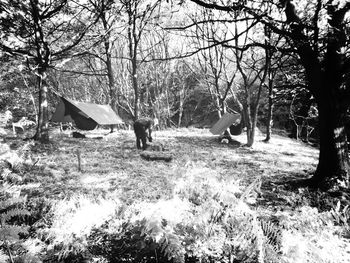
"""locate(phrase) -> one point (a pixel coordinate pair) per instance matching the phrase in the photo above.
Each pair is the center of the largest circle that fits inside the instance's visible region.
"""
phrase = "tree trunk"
(133, 58)
(42, 130)
(168, 111)
(43, 56)
(181, 104)
(108, 52)
(333, 102)
(270, 75)
(269, 121)
(249, 124)
(333, 166)
(137, 96)
(251, 114)
(111, 83)
(133, 41)
(250, 136)
(181, 109)
(325, 81)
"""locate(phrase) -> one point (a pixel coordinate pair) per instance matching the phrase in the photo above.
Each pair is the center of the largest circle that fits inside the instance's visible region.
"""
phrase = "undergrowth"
(206, 220)
(12, 203)
(184, 211)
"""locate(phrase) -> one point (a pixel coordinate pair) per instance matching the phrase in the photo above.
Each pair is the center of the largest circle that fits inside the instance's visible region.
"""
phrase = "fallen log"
(156, 156)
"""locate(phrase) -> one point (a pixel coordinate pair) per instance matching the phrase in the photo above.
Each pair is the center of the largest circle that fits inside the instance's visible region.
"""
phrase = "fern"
(218, 227)
(341, 215)
(23, 158)
(169, 243)
(14, 212)
(9, 231)
(10, 211)
(172, 248)
(11, 203)
(252, 191)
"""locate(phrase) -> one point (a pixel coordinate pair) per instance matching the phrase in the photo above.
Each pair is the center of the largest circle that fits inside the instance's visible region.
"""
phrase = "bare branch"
(179, 28)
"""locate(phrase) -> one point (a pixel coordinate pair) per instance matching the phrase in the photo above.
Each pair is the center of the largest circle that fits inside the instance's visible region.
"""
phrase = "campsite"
(178, 131)
(118, 207)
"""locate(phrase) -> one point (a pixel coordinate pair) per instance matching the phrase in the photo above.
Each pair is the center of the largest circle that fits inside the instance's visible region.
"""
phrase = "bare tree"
(253, 71)
(108, 16)
(184, 79)
(139, 15)
(219, 70)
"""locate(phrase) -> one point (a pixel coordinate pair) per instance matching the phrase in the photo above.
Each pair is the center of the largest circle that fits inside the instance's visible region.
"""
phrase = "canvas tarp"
(85, 115)
(225, 122)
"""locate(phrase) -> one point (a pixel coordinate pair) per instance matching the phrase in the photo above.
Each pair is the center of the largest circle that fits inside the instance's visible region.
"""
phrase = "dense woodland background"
(183, 75)
(283, 65)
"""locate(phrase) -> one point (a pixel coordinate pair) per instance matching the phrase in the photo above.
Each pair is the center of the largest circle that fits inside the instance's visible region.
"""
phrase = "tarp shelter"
(225, 122)
(86, 116)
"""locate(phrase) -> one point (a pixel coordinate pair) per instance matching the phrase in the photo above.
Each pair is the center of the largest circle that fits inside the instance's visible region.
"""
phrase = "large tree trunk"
(325, 82)
(333, 104)
(43, 60)
(333, 167)
(42, 130)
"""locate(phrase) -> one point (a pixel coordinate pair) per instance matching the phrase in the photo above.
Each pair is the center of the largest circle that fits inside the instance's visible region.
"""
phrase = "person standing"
(143, 131)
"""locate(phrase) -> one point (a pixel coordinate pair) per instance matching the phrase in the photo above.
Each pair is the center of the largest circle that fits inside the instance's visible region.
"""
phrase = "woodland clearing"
(214, 202)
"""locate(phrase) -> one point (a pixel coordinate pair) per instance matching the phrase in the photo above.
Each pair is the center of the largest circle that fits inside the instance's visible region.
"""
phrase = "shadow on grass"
(294, 190)
(206, 141)
(285, 191)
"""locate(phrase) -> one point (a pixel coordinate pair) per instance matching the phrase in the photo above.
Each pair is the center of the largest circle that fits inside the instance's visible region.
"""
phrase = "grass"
(114, 184)
(112, 166)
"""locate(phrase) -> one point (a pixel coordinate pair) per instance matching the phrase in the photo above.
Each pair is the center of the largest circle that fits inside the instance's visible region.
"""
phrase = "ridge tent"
(225, 122)
(85, 115)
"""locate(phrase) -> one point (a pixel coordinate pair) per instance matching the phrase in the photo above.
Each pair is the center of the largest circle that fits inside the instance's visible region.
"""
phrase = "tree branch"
(234, 7)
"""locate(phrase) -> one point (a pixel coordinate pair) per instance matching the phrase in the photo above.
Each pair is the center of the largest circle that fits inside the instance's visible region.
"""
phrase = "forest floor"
(75, 186)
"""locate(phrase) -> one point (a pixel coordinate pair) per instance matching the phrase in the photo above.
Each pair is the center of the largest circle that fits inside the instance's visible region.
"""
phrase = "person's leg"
(144, 141)
(138, 134)
(138, 142)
